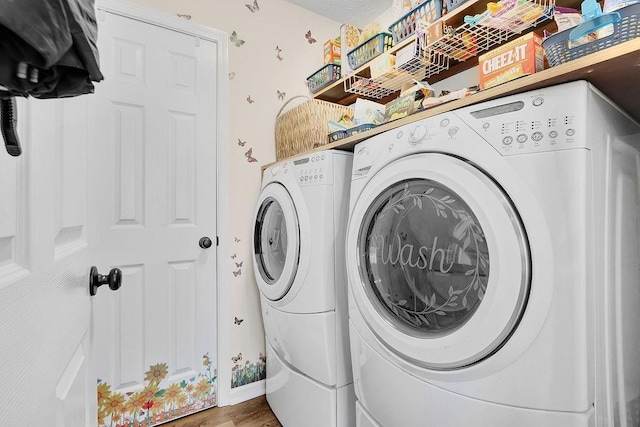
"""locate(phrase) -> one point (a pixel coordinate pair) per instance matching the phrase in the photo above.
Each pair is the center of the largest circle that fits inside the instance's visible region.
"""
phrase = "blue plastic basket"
(323, 77)
(558, 47)
(452, 4)
(406, 26)
(337, 135)
(359, 129)
(341, 134)
(368, 50)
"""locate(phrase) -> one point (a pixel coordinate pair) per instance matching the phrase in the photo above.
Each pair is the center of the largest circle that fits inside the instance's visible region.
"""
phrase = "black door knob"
(205, 242)
(113, 279)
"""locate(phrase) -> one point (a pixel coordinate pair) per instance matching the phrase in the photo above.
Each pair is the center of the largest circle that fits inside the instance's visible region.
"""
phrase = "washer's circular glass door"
(425, 253)
(276, 241)
(438, 261)
(271, 242)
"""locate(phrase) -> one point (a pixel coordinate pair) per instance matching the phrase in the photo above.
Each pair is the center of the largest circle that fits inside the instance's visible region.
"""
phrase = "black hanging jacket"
(48, 48)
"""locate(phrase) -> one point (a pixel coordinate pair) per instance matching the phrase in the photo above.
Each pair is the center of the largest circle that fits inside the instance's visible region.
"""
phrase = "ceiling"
(355, 12)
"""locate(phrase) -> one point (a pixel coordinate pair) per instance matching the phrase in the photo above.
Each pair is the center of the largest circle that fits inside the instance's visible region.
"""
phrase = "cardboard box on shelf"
(349, 39)
(382, 65)
(434, 32)
(418, 89)
(408, 54)
(401, 107)
(520, 57)
(332, 53)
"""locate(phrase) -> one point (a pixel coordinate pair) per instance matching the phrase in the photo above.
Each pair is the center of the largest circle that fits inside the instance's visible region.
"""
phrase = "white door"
(153, 172)
(44, 264)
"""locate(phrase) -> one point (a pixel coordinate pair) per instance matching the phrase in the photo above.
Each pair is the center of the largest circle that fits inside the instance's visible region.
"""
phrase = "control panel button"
(537, 101)
(417, 134)
(522, 138)
(507, 140)
(553, 134)
(275, 171)
(444, 123)
(537, 136)
(485, 125)
(570, 132)
(453, 131)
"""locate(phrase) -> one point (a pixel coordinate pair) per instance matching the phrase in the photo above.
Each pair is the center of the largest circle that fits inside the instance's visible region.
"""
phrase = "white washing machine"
(493, 264)
(299, 264)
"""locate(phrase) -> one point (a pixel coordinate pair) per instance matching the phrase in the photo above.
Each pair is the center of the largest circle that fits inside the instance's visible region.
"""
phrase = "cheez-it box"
(520, 57)
(332, 51)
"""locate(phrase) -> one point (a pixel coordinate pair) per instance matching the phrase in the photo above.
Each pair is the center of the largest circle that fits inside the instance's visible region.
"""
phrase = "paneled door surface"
(45, 314)
(154, 168)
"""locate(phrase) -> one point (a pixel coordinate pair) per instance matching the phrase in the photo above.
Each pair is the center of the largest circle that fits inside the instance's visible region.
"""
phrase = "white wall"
(255, 71)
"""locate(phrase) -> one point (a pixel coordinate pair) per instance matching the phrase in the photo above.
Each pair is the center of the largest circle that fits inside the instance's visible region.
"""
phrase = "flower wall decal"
(243, 374)
(158, 401)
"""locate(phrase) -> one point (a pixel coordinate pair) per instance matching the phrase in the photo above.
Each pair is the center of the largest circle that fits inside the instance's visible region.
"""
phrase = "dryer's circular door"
(276, 242)
(438, 261)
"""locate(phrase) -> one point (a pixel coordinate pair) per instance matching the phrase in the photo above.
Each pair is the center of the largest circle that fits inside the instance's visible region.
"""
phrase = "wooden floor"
(252, 413)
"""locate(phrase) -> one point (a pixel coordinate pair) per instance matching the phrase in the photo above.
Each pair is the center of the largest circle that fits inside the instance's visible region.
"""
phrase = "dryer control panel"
(314, 169)
(545, 120)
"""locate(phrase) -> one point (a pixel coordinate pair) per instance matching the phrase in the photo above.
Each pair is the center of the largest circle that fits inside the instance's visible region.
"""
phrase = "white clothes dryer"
(299, 264)
(493, 263)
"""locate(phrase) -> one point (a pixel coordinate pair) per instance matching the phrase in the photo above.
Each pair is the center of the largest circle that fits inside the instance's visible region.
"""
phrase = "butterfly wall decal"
(253, 7)
(281, 95)
(235, 40)
(234, 256)
(310, 39)
(239, 264)
(237, 240)
(241, 143)
(249, 156)
(237, 321)
(183, 16)
(236, 359)
(232, 75)
(278, 52)
(237, 273)
(249, 100)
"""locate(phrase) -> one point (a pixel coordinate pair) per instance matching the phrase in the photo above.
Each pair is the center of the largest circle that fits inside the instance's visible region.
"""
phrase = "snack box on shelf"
(520, 57)
(332, 52)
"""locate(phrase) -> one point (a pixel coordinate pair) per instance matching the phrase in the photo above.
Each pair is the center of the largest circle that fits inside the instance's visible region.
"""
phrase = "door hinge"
(217, 241)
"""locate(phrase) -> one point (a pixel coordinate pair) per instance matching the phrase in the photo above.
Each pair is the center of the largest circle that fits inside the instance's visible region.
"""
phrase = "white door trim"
(222, 99)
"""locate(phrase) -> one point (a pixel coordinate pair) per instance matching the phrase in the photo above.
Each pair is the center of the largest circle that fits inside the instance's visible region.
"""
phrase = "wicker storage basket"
(305, 126)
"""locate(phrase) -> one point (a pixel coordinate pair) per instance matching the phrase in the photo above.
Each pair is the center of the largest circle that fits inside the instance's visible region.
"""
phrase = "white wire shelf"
(417, 68)
(478, 34)
(487, 30)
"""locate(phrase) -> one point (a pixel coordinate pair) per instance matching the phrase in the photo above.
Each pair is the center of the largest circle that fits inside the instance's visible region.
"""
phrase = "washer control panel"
(544, 120)
(314, 169)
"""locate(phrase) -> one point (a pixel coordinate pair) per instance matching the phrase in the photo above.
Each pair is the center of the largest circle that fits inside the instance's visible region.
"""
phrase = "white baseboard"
(245, 392)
